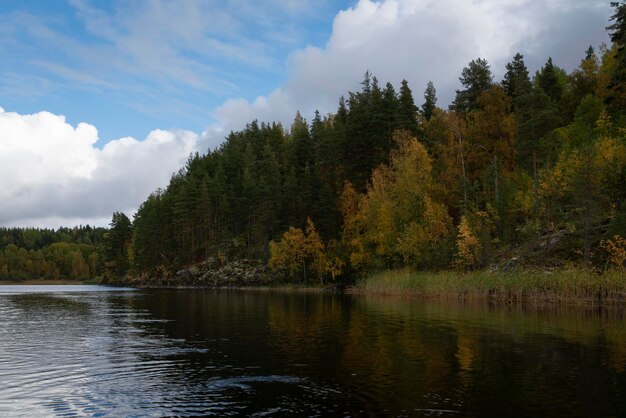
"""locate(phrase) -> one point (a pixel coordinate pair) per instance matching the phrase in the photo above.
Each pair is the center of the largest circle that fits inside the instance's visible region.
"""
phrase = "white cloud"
(423, 40)
(51, 173)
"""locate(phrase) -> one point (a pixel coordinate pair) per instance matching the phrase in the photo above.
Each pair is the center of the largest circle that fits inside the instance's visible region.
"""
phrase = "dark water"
(85, 351)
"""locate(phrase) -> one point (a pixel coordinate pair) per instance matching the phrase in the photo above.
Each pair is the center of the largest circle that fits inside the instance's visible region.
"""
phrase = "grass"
(290, 287)
(572, 285)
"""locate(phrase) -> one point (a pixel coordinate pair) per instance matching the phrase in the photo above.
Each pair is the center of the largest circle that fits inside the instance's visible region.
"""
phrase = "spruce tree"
(548, 80)
(117, 242)
(407, 111)
(516, 80)
(430, 100)
(617, 87)
(360, 160)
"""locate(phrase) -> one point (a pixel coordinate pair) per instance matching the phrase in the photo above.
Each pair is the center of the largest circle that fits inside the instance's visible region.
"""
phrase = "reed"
(571, 285)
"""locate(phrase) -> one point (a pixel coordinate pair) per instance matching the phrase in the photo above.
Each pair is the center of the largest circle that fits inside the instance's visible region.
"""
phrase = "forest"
(530, 168)
(64, 253)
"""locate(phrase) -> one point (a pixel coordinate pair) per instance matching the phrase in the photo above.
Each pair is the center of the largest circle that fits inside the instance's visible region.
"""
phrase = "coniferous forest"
(530, 168)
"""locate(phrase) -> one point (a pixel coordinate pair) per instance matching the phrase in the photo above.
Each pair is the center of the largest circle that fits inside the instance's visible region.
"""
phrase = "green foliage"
(397, 221)
(616, 99)
(407, 111)
(527, 166)
(516, 81)
(33, 254)
(430, 101)
(551, 80)
(263, 180)
(476, 78)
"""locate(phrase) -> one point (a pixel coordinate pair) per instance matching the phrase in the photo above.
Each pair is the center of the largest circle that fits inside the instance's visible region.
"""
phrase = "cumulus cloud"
(51, 173)
(423, 40)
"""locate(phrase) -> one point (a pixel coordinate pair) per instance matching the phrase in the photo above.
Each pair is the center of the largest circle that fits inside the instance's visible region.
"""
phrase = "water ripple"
(93, 354)
(112, 353)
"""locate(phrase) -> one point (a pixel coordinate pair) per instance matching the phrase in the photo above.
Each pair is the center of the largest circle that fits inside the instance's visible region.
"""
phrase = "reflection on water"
(97, 352)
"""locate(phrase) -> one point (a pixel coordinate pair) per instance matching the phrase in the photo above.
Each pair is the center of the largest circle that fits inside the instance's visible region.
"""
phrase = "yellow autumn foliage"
(299, 252)
(556, 181)
(353, 224)
(468, 247)
(421, 242)
(615, 248)
(397, 220)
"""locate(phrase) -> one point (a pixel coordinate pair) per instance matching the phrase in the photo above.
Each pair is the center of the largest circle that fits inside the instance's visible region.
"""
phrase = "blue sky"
(129, 67)
(101, 101)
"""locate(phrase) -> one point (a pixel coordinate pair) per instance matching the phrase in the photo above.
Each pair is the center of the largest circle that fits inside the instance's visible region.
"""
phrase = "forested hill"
(532, 165)
(64, 253)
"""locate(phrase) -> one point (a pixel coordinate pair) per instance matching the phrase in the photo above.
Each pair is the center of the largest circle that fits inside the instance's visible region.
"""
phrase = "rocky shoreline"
(209, 273)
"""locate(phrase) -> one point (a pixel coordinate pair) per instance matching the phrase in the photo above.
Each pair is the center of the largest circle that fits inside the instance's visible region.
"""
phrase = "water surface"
(92, 351)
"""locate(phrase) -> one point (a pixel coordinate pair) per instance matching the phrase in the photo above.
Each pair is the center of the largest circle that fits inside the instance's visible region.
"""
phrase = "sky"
(102, 101)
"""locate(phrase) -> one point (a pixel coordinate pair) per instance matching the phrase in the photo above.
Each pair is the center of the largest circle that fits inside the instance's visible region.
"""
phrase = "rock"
(208, 273)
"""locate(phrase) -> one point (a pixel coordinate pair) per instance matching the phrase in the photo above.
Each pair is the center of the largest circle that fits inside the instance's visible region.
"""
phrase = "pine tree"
(476, 78)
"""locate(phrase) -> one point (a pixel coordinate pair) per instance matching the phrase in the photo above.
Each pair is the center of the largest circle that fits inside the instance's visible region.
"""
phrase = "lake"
(92, 351)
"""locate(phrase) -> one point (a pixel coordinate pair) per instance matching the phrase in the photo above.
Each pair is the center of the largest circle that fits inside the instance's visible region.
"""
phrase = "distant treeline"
(64, 253)
(531, 165)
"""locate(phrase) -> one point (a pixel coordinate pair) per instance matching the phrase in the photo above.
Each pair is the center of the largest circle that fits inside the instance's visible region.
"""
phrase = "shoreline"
(569, 286)
(43, 282)
(575, 286)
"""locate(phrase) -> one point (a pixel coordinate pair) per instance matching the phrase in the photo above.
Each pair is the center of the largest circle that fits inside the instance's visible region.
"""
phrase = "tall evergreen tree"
(303, 161)
(476, 79)
(516, 80)
(389, 112)
(407, 111)
(617, 87)
(358, 147)
(430, 100)
(117, 242)
(536, 117)
(548, 80)
(377, 136)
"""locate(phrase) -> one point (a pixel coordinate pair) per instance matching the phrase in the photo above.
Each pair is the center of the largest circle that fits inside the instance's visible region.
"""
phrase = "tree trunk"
(496, 185)
(458, 135)
(535, 183)
(587, 197)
